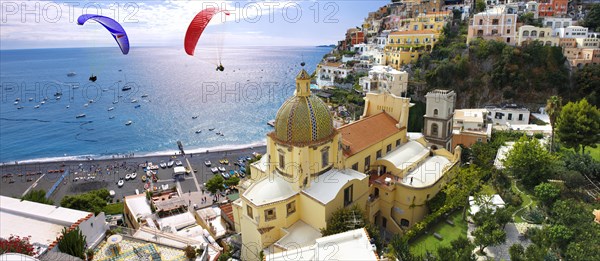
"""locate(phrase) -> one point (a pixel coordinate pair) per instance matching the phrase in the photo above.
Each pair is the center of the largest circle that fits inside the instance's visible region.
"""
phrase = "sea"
(173, 97)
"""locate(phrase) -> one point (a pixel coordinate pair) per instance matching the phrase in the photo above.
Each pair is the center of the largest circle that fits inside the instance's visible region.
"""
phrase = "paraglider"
(196, 28)
(112, 26)
(93, 78)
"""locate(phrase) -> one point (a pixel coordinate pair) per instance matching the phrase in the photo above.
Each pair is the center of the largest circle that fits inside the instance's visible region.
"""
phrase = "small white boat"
(115, 102)
(127, 176)
(112, 193)
(133, 175)
(91, 101)
(222, 169)
(43, 102)
(163, 165)
(20, 107)
(111, 117)
(57, 97)
(75, 86)
(164, 186)
(16, 102)
(144, 95)
(111, 108)
(207, 163)
(104, 90)
(178, 163)
(214, 170)
(18, 99)
(30, 99)
(128, 123)
(120, 183)
(36, 107)
(80, 116)
(170, 163)
(126, 88)
(134, 101)
(68, 106)
(71, 74)
(85, 105)
(198, 131)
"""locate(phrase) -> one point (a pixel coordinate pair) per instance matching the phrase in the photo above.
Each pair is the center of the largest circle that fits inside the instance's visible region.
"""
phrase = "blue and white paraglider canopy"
(112, 26)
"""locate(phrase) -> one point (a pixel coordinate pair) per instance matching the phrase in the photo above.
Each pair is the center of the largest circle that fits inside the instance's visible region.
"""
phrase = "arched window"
(542, 34)
(548, 43)
(435, 129)
(525, 33)
(435, 112)
(404, 222)
(534, 33)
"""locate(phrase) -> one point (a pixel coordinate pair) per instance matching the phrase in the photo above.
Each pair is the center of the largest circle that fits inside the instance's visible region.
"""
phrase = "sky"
(53, 24)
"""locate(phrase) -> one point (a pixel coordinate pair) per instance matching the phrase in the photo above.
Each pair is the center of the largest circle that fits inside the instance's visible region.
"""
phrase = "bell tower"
(438, 118)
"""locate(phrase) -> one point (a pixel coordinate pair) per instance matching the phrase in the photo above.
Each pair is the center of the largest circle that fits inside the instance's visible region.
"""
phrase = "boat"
(137, 106)
(43, 102)
(134, 101)
(127, 176)
(75, 87)
(57, 94)
(120, 183)
(57, 97)
(170, 163)
(144, 95)
(111, 117)
(144, 178)
(20, 107)
(91, 101)
(16, 102)
(104, 90)
(68, 106)
(133, 175)
(45, 99)
(178, 163)
(111, 108)
(18, 99)
(111, 193)
(222, 134)
(163, 165)
(30, 99)
(211, 129)
(271, 123)
(128, 123)
(164, 186)
(207, 163)
(194, 117)
(115, 102)
(85, 105)
(80, 116)
(218, 133)
(198, 131)
(71, 74)
(225, 175)
(126, 88)
(221, 169)
(214, 170)
(37, 106)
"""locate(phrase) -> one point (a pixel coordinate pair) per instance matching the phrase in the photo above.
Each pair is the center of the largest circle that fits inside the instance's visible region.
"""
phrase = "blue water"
(237, 102)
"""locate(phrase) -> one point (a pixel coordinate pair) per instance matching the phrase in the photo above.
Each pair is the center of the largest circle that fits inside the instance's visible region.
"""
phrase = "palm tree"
(553, 107)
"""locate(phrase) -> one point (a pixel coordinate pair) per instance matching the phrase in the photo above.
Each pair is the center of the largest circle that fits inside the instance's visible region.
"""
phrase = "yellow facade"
(404, 47)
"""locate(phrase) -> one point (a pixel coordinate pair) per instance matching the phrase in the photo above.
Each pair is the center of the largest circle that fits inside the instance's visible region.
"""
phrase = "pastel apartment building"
(404, 47)
(529, 33)
(498, 23)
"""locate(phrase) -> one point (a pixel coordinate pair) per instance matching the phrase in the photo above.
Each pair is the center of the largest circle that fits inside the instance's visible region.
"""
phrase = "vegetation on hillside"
(38, 196)
(92, 201)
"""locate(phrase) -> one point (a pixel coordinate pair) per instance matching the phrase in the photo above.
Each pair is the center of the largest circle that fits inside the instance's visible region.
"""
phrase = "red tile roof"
(228, 210)
(363, 133)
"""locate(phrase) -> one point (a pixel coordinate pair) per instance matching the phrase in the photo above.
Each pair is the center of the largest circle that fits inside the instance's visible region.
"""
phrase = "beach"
(60, 176)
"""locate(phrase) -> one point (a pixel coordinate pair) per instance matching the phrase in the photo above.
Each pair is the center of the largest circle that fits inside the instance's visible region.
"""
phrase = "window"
(542, 34)
(355, 166)
(378, 154)
(348, 195)
(325, 158)
(525, 33)
(480, 21)
(388, 148)
(435, 129)
(435, 112)
(397, 143)
(494, 32)
(367, 162)
(281, 161)
(508, 31)
(534, 33)
(510, 116)
(249, 211)
(494, 21)
(384, 222)
(270, 214)
(291, 208)
(520, 117)
(404, 222)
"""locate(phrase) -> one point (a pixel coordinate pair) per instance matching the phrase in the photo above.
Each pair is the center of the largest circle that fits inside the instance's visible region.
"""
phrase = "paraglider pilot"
(220, 67)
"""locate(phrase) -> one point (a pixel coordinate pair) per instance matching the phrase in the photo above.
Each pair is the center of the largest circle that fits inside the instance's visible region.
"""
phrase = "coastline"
(134, 156)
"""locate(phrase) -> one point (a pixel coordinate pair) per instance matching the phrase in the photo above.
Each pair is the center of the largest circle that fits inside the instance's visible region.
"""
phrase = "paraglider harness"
(220, 67)
(93, 78)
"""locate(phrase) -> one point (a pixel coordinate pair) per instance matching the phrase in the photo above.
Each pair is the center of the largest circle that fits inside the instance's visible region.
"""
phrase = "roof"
(269, 190)
(470, 115)
(138, 205)
(332, 64)
(303, 120)
(228, 210)
(212, 217)
(407, 154)
(366, 132)
(324, 191)
(426, 31)
(427, 173)
(298, 235)
(349, 245)
(20, 257)
(176, 222)
(44, 223)
(493, 202)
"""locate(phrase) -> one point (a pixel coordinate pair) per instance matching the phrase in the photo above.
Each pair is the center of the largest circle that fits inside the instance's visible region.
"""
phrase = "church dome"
(303, 118)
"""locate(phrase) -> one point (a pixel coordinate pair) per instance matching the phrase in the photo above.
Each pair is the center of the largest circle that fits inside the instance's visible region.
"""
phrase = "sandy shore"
(104, 173)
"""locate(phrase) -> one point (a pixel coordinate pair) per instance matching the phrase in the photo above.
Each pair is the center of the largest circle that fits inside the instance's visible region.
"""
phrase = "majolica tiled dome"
(303, 118)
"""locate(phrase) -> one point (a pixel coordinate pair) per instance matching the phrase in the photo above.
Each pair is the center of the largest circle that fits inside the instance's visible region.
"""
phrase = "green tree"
(516, 252)
(463, 185)
(488, 232)
(592, 19)
(38, 196)
(553, 106)
(547, 193)
(587, 82)
(578, 125)
(529, 19)
(72, 242)
(529, 161)
(345, 219)
(214, 184)
(398, 249)
(233, 181)
(559, 235)
(479, 6)
(459, 249)
(583, 251)
(92, 201)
